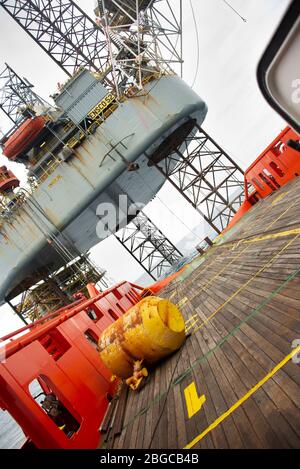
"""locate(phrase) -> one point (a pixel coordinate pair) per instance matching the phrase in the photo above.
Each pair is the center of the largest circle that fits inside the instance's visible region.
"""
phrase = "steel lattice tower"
(148, 245)
(15, 94)
(205, 175)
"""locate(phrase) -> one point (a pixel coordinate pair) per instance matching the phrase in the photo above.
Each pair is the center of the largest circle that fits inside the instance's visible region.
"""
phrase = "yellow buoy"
(148, 332)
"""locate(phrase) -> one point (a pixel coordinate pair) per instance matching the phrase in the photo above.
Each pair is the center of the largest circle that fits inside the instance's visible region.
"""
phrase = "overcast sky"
(238, 117)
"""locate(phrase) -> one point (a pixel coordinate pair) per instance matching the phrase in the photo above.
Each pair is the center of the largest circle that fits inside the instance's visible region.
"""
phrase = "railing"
(48, 169)
(48, 148)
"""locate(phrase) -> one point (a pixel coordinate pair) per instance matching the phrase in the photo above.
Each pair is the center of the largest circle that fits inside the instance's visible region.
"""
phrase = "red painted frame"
(275, 166)
(73, 369)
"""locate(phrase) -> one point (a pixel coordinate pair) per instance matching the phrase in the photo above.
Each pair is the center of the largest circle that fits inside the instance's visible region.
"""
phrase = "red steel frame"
(274, 167)
(57, 351)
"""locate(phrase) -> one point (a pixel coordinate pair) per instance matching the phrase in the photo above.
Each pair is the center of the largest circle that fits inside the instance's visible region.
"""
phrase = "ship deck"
(235, 382)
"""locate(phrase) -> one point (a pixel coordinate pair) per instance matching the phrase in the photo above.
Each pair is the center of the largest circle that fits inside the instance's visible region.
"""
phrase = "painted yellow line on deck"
(173, 294)
(273, 222)
(234, 244)
(190, 327)
(204, 288)
(253, 240)
(241, 288)
(249, 227)
(283, 213)
(182, 302)
(191, 318)
(243, 399)
(279, 197)
(206, 266)
(281, 234)
(193, 401)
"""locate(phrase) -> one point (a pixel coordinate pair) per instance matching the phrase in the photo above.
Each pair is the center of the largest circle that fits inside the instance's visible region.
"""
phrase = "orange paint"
(275, 166)
(23, 137)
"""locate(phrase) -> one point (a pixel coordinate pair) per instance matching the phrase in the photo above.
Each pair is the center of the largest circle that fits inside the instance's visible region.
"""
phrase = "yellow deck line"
(204, 288)
(260, 238)
(243, 399)
(172, 295)
(190, 318)
(250, 241)
(261, 215)
(244, 285)
(189, 327)
(295, 231)
(182, 302)
(203, 269)
(280, 234)
(279, 197)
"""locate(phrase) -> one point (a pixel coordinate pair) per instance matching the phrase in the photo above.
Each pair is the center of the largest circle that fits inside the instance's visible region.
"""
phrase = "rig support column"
(57, 289)
(205, 175)
(148, 245)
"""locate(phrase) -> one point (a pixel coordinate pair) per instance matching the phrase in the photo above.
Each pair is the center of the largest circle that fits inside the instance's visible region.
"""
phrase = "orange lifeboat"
(23, 137)
(8, 181)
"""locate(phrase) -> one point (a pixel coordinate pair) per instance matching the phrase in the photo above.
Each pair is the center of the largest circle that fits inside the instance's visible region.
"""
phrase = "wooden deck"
(236, 372)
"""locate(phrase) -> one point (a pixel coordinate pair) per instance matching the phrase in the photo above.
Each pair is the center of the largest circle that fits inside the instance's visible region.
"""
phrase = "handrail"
(17, 344)
(38, 321)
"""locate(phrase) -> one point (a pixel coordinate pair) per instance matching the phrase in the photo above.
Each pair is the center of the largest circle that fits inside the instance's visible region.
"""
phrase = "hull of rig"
(108, 126)
(70, 183)
(211, 353)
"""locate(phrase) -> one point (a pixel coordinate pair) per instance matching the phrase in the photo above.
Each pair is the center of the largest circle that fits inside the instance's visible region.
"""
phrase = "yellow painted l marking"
(193, 401)
(243, 399)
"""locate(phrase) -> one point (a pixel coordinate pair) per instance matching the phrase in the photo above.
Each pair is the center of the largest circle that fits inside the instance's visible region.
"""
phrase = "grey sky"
(238, 117)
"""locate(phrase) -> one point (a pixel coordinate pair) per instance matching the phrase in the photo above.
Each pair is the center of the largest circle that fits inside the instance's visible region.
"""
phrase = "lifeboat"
(23, 137)
(8, 180)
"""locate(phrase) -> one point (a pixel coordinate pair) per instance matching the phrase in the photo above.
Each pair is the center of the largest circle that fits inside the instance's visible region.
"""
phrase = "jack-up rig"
(123, 123)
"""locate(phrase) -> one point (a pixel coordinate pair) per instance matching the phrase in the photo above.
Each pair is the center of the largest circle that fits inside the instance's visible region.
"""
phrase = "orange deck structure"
(278, 164)
(58, 355)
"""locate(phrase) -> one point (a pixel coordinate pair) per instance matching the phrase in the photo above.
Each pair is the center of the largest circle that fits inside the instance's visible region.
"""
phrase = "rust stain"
(115, 332)
(51, 216)
(83, 175)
